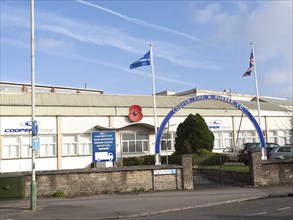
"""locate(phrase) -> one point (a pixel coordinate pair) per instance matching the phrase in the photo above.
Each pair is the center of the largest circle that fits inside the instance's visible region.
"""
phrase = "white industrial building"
(68, 116)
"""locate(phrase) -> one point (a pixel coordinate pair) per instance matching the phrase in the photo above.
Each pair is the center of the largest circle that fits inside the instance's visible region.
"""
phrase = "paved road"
(113, 206)
(266, 209)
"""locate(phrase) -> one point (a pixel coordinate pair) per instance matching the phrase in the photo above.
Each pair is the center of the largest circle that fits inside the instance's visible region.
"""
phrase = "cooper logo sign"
(215, 124)
(26, 127)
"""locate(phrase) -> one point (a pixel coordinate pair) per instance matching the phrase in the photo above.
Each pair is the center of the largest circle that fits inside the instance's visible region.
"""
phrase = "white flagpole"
(158, 162)
(264, 156)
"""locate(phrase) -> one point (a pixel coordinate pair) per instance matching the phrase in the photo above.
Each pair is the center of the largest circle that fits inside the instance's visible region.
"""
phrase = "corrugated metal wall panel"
(85, 100)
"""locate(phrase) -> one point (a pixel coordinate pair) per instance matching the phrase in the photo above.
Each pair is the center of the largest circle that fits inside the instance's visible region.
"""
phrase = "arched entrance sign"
(207, 97)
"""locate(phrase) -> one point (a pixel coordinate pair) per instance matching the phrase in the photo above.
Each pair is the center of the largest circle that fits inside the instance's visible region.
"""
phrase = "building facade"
(68, 116)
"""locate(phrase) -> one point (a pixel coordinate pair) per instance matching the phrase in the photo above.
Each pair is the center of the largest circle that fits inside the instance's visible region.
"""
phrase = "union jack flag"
(251, 65)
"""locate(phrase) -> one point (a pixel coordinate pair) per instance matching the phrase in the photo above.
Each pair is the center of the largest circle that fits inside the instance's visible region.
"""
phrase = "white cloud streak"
(267, 23)
(58, 47)
(107, 36)
(143, 23)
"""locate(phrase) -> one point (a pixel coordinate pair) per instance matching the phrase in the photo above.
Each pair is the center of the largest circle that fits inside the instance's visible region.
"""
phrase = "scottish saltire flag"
(144, 61)
(251, 65)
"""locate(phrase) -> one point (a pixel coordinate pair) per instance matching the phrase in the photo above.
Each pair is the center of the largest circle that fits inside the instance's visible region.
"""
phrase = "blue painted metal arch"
(207, 97)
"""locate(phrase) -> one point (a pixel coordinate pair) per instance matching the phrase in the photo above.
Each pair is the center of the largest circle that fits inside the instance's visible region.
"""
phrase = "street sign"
(36, 143)
(35, 128)
(165, 172)
(103, 146)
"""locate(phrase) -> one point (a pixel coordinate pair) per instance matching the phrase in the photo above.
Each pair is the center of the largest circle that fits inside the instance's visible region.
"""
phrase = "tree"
(193, 134)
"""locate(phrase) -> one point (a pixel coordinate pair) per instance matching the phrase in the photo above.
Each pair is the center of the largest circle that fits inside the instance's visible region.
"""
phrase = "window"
(281, 137)
(290, 137)
(273, 137)
(135, 143)
(250, 136)
(85, 144)
(217, 141)
(11, 147)
(168, 140)
(227, 139)
(246, 137)
(223, 139)
(69, 145)
(26, 150)
(73, 145)
(48, 146)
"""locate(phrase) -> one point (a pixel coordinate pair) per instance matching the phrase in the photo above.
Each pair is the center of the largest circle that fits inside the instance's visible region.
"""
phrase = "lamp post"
(33, 181)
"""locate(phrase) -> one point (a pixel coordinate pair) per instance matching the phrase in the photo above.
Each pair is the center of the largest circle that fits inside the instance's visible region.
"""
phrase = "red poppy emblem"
(135, 113)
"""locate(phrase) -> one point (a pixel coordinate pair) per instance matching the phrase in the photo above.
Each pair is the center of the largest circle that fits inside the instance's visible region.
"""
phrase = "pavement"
(134, 205)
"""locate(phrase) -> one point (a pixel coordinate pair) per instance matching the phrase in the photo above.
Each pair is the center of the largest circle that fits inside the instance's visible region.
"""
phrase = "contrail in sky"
(140, 22)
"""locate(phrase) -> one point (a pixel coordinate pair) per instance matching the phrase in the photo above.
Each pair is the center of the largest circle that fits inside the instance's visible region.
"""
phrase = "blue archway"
(207, 97)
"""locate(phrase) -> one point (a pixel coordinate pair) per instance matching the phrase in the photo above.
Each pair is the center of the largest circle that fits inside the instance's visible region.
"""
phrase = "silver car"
(281, 153)
(232, 152)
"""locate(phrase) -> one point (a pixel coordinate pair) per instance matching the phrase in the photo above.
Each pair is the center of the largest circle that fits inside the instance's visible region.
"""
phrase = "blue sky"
(196, 44)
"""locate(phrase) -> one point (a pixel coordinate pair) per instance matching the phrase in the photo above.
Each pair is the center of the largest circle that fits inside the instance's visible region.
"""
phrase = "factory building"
(67, 117)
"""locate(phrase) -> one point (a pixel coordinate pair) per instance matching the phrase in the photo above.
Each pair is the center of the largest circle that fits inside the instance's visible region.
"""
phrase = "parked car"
(281, 153)
(253, 146)
(232, 152)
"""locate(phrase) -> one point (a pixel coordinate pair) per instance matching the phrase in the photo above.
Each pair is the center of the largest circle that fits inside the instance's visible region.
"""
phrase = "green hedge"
(136, 161)
(203, 157)
(175, 158)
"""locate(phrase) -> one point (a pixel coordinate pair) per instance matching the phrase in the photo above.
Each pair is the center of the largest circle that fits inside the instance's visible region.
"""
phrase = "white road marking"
(280, 209)
(260, 213)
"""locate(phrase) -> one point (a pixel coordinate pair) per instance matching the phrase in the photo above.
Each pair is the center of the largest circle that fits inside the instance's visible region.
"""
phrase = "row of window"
(19, 146)
(281, 137)
(72, 145)
(225, 138)
(132, 143)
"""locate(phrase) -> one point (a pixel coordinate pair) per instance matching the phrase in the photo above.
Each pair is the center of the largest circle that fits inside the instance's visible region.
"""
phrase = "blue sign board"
(35, 128)
(36, 143)
(103, 146)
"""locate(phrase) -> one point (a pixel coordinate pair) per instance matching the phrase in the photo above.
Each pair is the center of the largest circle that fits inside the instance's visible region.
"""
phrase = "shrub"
(59, 194)
(136, 161)
(193, 134)
(175, 158)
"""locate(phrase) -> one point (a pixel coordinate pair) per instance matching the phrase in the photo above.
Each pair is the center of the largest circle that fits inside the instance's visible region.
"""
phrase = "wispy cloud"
(251, 22)
(143, 23)
(282, 78)
(278, 76)
(59, 36)
(122, 68)
(102, 35)
(61, 49)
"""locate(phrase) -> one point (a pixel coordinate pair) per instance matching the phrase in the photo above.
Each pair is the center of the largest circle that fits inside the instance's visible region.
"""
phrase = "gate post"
(187, 173)
(255, 164)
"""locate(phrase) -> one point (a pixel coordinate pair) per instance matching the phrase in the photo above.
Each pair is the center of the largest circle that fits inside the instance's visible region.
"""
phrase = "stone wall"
(92, 181)
(265, 173)
(142, 178)
(105, 180)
